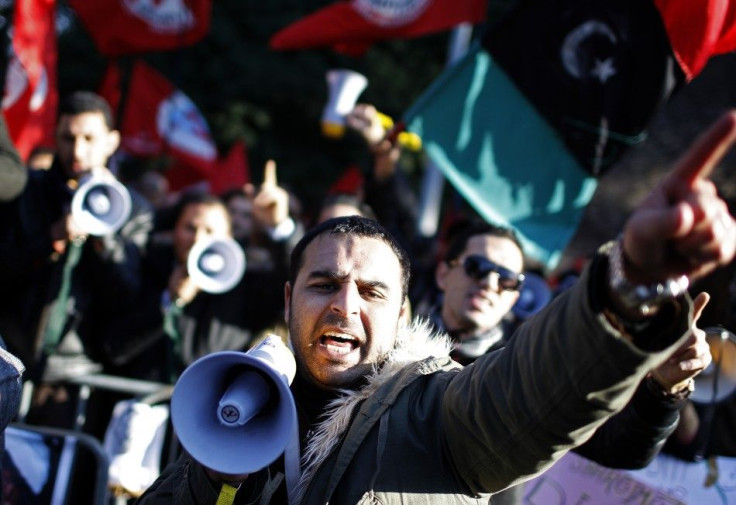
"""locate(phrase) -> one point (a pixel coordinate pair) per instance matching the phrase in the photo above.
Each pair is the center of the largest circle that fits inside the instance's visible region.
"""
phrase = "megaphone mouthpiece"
(243, 400)
(99, 202)
(216, 265)
(233, 411)
(100, 205)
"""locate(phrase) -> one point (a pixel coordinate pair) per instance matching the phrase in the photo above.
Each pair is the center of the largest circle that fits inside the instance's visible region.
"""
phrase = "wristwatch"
(642, 298)
(660, 392)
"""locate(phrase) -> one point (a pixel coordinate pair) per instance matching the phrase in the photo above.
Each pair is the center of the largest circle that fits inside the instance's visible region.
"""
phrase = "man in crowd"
(60, 281)
(386, 418)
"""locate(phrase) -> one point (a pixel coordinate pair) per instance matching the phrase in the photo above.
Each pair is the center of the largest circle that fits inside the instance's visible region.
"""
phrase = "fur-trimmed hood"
(415, 343)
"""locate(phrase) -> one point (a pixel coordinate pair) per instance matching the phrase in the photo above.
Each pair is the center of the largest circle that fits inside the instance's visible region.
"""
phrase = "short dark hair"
(80, 102)
(352, 226)
(169, 216)
(458, 240)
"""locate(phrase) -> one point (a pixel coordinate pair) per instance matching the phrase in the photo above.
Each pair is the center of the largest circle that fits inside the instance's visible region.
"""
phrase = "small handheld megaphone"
(233, 411)
(216, 265)
(344, 88)
(100, 205)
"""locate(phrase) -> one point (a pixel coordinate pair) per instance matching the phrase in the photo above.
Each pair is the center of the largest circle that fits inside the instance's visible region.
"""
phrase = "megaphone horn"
(233, 411)
(100, 205)
(216, 265)
(344, 88)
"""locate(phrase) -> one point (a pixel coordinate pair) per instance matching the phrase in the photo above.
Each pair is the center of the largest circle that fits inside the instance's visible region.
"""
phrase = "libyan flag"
(541, 106)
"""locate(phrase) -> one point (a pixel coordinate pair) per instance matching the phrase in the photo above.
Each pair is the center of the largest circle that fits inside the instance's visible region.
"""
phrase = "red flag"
(160, 119)
(350, 182)
(110, 88)
(182, 177)
(132, 26)
(698, 30)
(232, 171)
(30, 99)
(358, 23)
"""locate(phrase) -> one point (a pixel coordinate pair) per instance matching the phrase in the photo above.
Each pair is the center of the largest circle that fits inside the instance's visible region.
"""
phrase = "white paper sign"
(711, 482)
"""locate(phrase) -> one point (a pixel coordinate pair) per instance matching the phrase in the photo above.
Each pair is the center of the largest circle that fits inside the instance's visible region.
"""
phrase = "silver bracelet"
(642, 298)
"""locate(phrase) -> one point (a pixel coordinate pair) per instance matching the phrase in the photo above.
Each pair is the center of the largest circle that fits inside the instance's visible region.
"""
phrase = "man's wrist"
(678, 392)
(636, 301)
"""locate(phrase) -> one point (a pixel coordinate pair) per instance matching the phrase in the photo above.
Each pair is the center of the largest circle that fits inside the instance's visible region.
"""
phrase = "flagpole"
(430, 199)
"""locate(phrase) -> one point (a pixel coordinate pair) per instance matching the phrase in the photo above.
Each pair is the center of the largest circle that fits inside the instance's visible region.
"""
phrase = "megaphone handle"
(392, 135)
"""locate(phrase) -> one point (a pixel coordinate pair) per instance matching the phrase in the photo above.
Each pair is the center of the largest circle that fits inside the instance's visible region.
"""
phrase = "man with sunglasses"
(480, 279)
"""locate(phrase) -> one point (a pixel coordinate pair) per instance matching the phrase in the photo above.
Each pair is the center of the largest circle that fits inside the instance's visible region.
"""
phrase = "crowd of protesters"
(122, 302)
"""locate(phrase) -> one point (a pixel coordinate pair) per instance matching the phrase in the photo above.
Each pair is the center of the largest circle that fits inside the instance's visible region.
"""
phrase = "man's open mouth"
(339, 343)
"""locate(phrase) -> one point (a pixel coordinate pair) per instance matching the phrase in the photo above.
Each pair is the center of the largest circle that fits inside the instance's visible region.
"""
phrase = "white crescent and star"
(603, 69)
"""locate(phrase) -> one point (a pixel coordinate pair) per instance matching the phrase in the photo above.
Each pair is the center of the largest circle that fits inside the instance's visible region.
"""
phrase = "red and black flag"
(351, 26)
(596, 70)
(553, 95)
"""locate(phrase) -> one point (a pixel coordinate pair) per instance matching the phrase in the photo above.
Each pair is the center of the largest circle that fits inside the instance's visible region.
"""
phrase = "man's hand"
(365, 119)
(182, 289)
(683, 227)
(63, 231)
(691, 358)
(271, 204)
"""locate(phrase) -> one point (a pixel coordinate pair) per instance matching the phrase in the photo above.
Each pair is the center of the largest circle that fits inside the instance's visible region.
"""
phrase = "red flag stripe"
(343, 24)
(121, 27)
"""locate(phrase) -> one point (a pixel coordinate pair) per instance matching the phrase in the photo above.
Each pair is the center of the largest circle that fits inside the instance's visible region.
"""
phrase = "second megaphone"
(216, 265)
(101, 205)
(233, 411)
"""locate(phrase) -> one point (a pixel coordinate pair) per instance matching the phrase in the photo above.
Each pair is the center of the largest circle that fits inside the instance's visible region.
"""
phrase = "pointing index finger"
(707, 151)
(269, 173)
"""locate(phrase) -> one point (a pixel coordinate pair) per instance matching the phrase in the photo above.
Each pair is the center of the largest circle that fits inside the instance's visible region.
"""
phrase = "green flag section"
(501, 155)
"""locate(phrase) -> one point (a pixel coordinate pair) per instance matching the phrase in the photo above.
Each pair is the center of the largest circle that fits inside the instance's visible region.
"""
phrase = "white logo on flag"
(182, 126)
(16, 81)
(390, 13)
(167, 16)
(16, 84)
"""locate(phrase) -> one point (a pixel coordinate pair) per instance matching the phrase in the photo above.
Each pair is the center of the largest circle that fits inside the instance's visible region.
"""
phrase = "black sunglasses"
(479, 267)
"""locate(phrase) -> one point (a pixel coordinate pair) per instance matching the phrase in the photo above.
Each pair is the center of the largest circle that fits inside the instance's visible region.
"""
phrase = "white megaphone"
(344, 88)
(100, 205)
(233, 411)
(216, 265)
